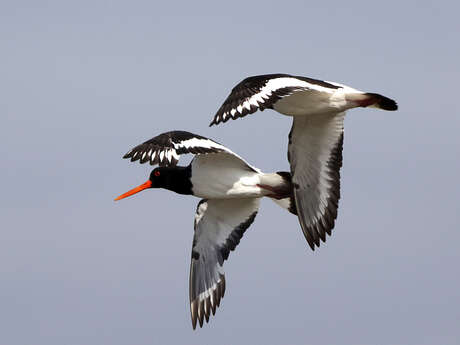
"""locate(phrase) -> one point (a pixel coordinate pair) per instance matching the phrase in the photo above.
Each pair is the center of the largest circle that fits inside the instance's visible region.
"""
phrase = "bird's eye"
(156, 173)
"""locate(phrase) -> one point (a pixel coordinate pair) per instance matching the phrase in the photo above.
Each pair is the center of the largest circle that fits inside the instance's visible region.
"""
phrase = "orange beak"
(143, 186)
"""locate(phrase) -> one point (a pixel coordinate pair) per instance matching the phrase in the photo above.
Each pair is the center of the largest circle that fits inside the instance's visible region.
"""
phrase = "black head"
(167, 177)
(176, 179)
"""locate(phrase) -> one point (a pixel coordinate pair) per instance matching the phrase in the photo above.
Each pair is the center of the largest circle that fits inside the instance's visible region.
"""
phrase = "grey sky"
(81, 82)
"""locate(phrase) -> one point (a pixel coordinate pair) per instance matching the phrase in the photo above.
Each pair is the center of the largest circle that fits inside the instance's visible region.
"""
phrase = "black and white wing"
(315, 155)
(263, 91)
(219, 226)
(165, 148)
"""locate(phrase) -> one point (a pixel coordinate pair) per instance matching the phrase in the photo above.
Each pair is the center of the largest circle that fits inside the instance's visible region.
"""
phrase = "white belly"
(312, 102)
(224, 178)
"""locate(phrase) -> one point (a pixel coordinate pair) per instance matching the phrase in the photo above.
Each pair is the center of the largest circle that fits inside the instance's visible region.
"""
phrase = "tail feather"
(373, 100)
(288, 203)
(382, 102)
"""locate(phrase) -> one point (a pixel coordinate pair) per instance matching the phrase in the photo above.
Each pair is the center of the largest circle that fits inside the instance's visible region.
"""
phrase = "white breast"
(303, 102)
(223, 176)
(315, 102)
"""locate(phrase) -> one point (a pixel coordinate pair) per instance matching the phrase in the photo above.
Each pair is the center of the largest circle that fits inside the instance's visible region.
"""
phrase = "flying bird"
(230, 189)
(315, 140)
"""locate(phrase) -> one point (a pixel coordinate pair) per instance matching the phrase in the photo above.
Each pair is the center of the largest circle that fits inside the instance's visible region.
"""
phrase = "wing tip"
(128, 154)
(317, 233)
(201, 310)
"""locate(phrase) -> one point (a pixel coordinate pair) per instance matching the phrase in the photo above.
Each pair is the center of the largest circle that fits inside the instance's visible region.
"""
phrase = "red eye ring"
(156, 173)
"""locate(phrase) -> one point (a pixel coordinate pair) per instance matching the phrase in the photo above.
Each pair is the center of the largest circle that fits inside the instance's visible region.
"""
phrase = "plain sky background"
(81, 82)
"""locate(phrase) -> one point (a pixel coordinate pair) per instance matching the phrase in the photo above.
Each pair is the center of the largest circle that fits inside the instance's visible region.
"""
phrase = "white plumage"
(315, 141)
(231, 190)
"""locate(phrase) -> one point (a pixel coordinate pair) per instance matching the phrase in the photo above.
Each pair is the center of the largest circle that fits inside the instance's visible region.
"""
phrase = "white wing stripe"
(280, 83)
(267, 91)
(219, 226)
(196, 142)
(166, 148)
(152, 158)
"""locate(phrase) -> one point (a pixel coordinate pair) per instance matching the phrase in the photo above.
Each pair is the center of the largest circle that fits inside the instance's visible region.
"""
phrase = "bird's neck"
(179, 180)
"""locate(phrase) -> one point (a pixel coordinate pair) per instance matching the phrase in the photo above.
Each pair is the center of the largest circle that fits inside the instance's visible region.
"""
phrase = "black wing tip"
(219, 118)
(321, 230)
(318, 232)
(128, 154)
(242, 92)
(215, 121)
(201, 310)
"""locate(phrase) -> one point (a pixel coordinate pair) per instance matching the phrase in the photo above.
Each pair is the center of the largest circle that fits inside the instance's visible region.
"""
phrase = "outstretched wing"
(263, 91)
(165, 148)
(219, 226)
(315, 155)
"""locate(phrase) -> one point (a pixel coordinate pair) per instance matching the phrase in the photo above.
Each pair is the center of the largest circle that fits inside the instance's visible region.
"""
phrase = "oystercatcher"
(231, 190)
(315, 140)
